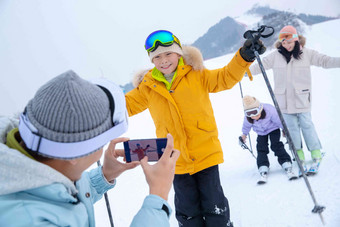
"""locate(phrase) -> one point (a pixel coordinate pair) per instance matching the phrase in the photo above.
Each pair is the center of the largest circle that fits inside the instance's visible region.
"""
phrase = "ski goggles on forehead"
(161, 37)
(287, 36)
(254, 111)
(71, 150)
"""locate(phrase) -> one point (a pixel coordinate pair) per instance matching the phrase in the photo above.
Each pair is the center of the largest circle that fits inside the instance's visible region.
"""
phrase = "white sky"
(44, 38)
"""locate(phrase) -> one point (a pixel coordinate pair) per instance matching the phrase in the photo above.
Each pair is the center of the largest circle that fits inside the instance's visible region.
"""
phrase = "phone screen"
(135, 150)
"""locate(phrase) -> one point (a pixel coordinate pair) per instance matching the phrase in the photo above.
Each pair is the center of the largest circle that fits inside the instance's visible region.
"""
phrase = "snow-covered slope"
(279, 203)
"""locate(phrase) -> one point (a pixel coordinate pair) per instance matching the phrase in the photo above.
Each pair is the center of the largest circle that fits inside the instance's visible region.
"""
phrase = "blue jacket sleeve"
(94, 181)
(151, 213)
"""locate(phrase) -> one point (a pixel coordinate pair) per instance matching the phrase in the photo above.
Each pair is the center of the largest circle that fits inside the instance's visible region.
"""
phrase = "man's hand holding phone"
(161, 175)
(112, 168)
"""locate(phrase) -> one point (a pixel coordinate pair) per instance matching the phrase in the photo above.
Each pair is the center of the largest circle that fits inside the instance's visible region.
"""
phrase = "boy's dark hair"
(263, 115)
(37, 156)
(34, 154)
(296, 52)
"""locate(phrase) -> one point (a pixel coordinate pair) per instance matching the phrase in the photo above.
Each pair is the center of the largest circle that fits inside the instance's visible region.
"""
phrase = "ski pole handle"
(255, 35)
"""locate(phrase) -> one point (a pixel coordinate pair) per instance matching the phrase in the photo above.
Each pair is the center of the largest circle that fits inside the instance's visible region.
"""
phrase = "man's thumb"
(144, 163)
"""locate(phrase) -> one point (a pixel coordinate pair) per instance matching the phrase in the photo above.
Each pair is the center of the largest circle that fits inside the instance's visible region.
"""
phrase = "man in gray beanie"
(60, 134)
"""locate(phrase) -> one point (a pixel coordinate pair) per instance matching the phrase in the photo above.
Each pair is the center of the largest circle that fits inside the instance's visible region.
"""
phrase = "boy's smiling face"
(166, 62)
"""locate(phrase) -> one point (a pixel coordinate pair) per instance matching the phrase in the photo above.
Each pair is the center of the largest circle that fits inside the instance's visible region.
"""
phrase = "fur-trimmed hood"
(191, 55)
(302, 41)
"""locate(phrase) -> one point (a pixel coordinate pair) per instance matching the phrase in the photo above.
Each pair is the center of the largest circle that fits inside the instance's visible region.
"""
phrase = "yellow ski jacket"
(185, 110)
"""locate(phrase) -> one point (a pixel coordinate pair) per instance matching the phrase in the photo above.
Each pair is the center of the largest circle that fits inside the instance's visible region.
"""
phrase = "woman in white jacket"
(291, 63)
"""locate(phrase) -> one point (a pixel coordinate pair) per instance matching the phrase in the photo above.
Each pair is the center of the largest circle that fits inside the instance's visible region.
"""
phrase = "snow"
(279, 203)
(250, 21)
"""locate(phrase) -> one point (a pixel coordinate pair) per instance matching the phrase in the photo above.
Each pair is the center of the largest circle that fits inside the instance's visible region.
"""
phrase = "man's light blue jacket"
(34, 194)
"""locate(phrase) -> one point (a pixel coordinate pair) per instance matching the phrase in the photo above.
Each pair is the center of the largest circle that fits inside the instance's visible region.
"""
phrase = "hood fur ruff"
(191, 56)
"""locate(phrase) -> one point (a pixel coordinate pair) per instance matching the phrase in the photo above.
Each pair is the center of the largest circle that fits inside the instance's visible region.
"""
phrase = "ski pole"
(249, 35)
(107, 203)
(244, 145)
(249, 132)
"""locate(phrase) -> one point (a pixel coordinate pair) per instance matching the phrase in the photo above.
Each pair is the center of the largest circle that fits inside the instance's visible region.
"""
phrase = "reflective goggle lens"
(165, 38)
(253, 112)
(287, 36)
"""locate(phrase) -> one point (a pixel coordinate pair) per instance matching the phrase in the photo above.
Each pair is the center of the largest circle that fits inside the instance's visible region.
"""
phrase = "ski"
(314, 167)
(263, 178)
(287, 167)
(290, 174)
(304, 169)
(292, 177)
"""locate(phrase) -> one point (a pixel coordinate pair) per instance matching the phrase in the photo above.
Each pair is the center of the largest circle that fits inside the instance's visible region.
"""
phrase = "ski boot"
(316, 156)
(263, 174)
(287, 166)
(301, 156)
(305, 170)
(314, 167)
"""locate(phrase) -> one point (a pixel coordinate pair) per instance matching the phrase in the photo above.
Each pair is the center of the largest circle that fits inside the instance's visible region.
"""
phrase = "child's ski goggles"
(287, 36)
(160, 37)
(254, 111)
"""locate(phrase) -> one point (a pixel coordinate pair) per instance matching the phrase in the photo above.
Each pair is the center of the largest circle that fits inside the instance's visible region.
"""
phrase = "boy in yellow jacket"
(176, 92)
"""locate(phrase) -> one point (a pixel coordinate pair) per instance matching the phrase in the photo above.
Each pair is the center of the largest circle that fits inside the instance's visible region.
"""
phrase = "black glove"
(247, 53)
(147, 146)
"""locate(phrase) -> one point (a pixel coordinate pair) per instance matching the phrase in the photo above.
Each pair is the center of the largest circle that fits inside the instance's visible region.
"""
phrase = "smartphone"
(135, 150)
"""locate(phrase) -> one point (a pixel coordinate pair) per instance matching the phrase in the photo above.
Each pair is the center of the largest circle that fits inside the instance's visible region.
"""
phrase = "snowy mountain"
(279, 203)
(227, 35)
(224, 37)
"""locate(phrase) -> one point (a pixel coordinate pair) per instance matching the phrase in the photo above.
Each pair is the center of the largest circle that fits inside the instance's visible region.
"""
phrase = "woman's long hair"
(296, 52)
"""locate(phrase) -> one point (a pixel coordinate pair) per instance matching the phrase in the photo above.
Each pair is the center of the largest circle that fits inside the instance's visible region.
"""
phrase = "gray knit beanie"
(70, 109)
